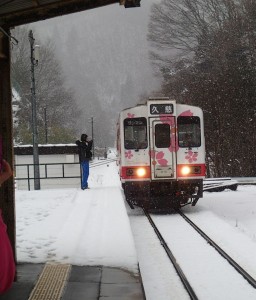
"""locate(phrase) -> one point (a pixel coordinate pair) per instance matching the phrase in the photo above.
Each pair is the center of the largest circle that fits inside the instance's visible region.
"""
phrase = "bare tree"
(55, 102)
(215, 69)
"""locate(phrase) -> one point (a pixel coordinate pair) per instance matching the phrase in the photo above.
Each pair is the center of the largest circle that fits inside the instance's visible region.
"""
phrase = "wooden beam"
(50, 10)
(7, 190)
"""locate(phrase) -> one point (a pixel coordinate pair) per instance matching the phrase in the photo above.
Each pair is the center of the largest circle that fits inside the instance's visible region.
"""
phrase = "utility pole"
(34, 62)
(45, 126)
(92, 138)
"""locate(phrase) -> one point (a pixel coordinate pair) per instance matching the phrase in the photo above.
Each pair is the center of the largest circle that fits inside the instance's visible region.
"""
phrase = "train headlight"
(141, 172)
(185, 170)
(136, 172)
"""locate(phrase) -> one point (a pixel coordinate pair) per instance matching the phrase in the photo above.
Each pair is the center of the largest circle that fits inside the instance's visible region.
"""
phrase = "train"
(161, 153)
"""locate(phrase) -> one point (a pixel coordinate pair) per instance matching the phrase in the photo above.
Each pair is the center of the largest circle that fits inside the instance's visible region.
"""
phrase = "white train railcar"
(161, 153)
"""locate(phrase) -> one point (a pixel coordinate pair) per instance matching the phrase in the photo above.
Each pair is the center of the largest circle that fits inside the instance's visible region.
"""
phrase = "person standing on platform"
(85, 155)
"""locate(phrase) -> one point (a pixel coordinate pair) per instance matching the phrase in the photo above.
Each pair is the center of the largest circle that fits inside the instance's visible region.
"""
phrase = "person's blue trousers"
(84, 174)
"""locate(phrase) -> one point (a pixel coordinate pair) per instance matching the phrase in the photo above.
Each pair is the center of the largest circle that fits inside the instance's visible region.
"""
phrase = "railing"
(61, 173)
(220, 184)
(245, 180)
(46, 172)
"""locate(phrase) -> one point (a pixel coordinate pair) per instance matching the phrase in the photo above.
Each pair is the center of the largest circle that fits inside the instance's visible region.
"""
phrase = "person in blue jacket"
(85, 155)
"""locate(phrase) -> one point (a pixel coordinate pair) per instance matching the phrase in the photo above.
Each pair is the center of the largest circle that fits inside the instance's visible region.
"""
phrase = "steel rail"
(238, 268)
(178, 269)
(104, 162)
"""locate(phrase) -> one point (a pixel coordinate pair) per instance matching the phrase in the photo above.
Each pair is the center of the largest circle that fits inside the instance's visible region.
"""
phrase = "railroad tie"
(51, 282)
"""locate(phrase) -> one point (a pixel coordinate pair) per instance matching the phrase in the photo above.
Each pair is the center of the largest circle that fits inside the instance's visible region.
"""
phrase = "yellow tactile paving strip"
(51, 282)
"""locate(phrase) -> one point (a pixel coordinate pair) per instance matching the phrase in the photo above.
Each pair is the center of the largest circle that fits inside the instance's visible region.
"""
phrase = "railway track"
(169, 253)
(234, 264)
(101, 163)
(191, 292)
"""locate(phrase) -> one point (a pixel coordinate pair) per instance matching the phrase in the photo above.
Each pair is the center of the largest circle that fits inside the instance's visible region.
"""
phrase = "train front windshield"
(135, 133)
(189, 131)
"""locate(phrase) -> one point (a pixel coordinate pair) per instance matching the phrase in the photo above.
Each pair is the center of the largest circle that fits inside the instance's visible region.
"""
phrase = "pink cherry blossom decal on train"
(167, 120)
(152, 155)
(186, 113)
(130, 115)
(158, 157)
(128, 154)
(191, 156)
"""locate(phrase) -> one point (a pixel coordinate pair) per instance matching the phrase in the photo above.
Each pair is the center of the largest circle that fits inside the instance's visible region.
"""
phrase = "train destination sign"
(161, 109)
(135, 122)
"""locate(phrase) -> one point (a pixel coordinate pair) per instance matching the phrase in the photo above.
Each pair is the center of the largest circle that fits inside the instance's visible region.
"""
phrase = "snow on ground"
(92, 227)
(214, 214)
(229, 219)
(87, 227)
(202, 264)
(160, 280)
(236, 208)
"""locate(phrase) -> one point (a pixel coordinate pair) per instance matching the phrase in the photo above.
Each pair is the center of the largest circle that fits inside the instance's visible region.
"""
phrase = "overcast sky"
(110, 43)
(104, 54)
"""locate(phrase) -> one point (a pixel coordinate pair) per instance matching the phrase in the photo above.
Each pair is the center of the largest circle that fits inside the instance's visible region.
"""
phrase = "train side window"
(162, 135)
(135, 133)
(189, 131)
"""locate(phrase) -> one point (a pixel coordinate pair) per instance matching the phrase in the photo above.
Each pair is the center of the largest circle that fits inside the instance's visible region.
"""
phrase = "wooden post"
(7, 203)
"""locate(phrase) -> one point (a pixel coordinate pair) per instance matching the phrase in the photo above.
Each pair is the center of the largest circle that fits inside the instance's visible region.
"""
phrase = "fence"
(69, 175)
(245, 180)
(51, 174)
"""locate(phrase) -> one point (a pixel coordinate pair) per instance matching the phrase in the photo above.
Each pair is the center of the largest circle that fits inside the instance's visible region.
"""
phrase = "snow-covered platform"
(86, 230)
(89, 227)
(82, 282)
(86, 239)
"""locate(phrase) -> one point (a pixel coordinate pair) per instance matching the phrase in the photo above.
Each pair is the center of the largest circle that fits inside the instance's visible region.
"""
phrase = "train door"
(163, 158)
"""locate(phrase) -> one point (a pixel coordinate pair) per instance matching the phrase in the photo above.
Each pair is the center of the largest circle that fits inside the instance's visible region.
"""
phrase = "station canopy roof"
(19, 12)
